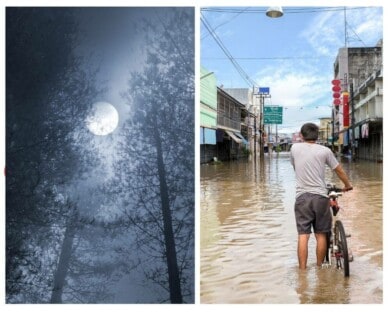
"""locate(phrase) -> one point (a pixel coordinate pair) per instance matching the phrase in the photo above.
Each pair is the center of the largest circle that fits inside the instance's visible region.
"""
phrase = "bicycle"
(336, 238)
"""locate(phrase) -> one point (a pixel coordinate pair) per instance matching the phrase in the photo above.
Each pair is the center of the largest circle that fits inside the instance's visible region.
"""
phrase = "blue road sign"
(264, 90)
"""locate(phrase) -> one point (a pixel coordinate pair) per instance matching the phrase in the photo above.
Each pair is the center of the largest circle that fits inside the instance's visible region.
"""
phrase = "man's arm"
(343, 177)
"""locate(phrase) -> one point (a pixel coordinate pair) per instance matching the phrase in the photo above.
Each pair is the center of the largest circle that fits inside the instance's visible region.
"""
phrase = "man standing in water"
(311, 202)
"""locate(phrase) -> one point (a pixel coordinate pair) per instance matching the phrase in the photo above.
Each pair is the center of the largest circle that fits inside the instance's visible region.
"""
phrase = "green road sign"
(273, 115)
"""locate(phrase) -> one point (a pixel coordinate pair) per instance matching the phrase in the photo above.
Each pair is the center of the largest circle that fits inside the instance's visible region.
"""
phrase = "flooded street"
(248, 236)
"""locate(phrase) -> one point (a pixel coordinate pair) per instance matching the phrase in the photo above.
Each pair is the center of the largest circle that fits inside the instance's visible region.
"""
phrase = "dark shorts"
(312, 210)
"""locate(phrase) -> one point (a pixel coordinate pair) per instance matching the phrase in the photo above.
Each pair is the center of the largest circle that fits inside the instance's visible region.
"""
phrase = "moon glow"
(103, 118)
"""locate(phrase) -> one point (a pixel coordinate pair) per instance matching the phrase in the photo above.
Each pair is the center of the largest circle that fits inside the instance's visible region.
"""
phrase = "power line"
(228, 21)
(269, 58)
(286, 10)
(356, 35)
(237, 66)
(239, 11)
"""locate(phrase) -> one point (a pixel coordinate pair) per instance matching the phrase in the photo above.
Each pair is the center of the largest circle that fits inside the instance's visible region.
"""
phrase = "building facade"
(208, 116)
(368, 115)
(226, 126)
(357, 121)
(251, 125)
(325, 131)
(231, 122)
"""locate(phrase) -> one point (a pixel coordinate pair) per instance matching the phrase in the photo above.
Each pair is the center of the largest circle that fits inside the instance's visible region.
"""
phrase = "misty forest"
(96, 217)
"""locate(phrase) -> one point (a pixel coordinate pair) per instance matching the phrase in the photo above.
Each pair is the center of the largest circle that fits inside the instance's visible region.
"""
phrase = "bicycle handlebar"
(333, 188)
(334, 191)
(334, 194)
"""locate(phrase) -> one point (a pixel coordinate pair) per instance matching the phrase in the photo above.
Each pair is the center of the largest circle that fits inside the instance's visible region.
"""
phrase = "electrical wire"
(270, 58)
(286, 10)
(356, 35)
(237, 66)
(227, 21)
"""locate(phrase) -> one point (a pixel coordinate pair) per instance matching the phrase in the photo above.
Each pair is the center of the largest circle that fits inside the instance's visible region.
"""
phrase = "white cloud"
(326, 33)
(294, 83)
(302, 86)
(368, 26)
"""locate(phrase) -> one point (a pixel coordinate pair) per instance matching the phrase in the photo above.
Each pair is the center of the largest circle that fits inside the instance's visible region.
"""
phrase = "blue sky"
(293, 55)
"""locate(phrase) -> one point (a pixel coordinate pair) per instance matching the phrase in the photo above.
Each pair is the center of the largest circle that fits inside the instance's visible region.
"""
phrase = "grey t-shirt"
(309, 160)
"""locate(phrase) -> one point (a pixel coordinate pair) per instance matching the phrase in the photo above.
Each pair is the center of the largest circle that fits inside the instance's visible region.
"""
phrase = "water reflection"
(248, 236)
(322, 286)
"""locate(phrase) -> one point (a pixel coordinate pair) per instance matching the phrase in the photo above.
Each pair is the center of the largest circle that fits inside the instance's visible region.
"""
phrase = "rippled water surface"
(248, 236)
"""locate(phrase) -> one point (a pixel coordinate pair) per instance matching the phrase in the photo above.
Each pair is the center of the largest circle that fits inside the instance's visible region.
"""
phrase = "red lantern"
(336, 82)
(336, 102)
(336, 91)
(336, 88)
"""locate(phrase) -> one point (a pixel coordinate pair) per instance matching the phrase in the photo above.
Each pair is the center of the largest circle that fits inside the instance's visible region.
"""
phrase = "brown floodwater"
(248, 237)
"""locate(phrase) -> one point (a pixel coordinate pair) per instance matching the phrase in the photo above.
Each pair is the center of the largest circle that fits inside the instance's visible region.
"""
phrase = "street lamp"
(274, 12)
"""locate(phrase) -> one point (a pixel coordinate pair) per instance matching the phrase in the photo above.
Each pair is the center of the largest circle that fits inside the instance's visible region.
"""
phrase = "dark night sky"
(114, 38)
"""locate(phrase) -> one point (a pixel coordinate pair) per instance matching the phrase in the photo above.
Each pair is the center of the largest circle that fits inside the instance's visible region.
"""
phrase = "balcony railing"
(228, 122)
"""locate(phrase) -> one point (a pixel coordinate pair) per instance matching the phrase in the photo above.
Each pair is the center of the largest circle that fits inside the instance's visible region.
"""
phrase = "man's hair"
(309, 131)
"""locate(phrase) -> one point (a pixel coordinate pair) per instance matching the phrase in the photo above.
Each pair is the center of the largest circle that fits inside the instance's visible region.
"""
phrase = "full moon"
(103, 118)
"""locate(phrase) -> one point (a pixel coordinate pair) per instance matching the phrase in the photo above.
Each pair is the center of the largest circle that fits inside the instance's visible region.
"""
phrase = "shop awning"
(238, 134)
(233, 136)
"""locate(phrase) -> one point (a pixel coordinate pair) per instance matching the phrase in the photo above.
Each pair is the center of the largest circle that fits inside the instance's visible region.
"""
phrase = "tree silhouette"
(46, 85)
(160, 143)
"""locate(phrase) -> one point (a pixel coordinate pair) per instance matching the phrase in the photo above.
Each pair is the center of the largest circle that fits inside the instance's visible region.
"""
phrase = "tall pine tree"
(161, 148)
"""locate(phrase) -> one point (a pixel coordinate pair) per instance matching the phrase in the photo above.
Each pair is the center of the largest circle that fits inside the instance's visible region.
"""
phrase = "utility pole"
(255, 141)
(345, 27)
(327, 134)
(333, 121)
(352, 122)
(276, 138)
(261, 126)
(262, 93)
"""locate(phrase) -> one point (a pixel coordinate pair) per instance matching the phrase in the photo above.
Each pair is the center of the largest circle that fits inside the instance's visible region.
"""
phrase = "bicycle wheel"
(341, 243)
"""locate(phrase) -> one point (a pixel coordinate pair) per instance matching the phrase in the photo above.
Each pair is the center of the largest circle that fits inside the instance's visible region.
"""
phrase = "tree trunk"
(64, 260)
(170, 247)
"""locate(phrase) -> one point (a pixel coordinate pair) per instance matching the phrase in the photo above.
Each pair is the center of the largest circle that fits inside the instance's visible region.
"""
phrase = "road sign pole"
(262, 93)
